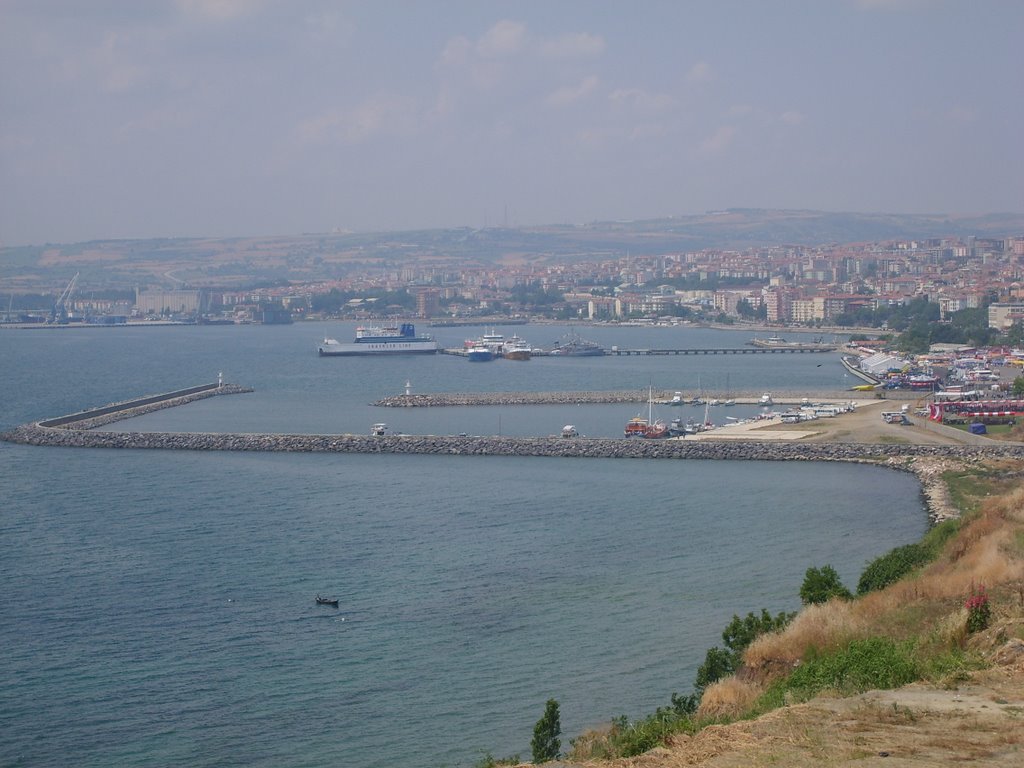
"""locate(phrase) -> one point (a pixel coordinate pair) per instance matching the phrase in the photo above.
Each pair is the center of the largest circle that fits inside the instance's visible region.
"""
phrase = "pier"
(720, 350)
(622, 351)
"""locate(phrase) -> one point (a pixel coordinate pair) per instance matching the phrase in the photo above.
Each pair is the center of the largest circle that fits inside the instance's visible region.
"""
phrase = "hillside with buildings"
(780, 267)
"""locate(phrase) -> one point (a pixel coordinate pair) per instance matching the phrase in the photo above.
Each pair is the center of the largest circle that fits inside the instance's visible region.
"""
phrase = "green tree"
(545, 743)
(737, 635)
(822, 584)
(1018, 386)
(717, 664)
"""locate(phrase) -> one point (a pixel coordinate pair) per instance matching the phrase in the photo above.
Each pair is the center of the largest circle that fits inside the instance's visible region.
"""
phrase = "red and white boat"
(650, 427)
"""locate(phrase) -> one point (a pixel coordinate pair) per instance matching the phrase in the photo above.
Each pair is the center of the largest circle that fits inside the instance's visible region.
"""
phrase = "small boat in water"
(569, 431)
(326, 601)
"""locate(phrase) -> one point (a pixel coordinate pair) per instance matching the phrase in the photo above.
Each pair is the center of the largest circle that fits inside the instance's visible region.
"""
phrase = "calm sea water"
(157, 608)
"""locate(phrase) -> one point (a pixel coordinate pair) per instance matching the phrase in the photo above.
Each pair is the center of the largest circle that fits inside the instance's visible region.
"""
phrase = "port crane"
(59, 313)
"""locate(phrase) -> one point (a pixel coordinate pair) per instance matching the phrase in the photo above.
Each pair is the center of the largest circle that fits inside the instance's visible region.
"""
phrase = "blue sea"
(157, 607)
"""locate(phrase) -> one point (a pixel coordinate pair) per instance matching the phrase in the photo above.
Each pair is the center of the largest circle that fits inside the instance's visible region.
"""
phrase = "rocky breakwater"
(108, 414)
(441, 399)
(37, 434)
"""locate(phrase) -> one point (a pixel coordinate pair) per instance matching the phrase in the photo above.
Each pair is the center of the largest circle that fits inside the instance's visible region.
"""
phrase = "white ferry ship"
(375, 340)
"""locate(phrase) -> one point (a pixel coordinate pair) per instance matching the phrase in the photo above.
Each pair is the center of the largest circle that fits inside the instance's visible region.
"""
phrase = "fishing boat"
(326, 601)
(379, 430)
(515, 348)
(479, 354)
(677, 399)
(491, 339)
(637, 426)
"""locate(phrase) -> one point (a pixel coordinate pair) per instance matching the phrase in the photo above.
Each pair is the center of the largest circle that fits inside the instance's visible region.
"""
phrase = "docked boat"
(649, 427)
(516, 348)
(569, 431)
(777, 342)
(379, 430)
(574, 346)
(680, 428)
(479, 354)
(766, 399)
(677, 399)
(381, 340)
(326, 601)
(637, 426)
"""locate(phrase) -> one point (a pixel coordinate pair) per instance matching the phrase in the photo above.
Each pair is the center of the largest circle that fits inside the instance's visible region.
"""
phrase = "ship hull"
(356, 349)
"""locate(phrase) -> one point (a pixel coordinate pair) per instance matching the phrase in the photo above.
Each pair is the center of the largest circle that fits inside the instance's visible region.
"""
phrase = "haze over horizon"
(183, 118)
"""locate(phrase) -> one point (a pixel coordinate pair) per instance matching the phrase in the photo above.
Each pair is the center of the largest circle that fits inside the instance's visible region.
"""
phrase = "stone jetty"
(76, 431)
(126, 409)
(443, 399)
(581, 447)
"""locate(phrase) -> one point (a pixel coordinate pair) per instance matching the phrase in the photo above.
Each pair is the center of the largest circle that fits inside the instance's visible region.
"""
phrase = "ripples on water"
(158, 607)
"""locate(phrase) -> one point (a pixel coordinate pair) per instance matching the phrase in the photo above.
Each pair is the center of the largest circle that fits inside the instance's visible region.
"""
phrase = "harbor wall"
(107, 414)
(661, 397)
(37, 434)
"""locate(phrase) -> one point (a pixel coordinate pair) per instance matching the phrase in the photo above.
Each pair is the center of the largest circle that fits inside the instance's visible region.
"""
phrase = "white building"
(1003, 316)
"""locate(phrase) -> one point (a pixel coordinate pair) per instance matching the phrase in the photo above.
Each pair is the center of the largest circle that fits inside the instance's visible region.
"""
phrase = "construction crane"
(59, 314)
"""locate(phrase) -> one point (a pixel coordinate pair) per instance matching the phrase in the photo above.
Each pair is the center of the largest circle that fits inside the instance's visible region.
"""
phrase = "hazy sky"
(142, 118)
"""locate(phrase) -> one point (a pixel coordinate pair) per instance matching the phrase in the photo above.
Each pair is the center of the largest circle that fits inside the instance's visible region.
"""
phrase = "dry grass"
(826, 626)
(929, 606)
(962, 715)
(728, 698)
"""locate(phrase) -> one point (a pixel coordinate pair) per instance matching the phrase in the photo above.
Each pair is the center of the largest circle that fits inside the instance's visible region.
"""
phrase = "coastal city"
(498, 384)
(935, 317)
(857, 285)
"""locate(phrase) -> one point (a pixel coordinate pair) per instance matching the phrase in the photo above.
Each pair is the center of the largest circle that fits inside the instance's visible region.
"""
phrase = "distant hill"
(239, 261)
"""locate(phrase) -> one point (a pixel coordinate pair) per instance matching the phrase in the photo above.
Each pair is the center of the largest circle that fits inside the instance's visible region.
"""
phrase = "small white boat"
(569, 431)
